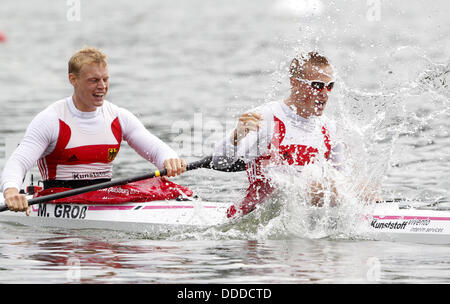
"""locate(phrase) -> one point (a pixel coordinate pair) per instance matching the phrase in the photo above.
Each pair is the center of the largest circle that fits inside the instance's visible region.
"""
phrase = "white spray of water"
(375, 126)
(300, 7)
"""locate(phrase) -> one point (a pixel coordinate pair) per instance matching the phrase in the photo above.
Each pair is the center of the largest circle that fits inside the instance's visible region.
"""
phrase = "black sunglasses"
(318, 85)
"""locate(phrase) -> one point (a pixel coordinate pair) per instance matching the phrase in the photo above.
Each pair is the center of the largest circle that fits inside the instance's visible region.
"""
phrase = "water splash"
(387, 131)
(381, 128)
(384, 128)
(300, 7)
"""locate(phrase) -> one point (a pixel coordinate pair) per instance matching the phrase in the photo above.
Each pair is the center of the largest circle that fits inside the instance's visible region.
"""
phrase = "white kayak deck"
(388, 221)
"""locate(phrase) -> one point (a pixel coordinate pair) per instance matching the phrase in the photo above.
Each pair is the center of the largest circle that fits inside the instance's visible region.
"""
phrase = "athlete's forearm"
(150, 147)
(12, 175)
(40, 136)
(143, 142)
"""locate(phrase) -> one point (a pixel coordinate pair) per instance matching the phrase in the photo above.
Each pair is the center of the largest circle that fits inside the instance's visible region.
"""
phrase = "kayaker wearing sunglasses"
(292, 132)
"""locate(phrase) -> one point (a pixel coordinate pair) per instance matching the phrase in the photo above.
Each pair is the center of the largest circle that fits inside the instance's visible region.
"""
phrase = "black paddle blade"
(220, 163)
(227, 164)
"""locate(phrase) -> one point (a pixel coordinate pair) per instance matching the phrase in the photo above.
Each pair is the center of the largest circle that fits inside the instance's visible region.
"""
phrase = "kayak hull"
(130, 217)
(385, 221)
(392, 222)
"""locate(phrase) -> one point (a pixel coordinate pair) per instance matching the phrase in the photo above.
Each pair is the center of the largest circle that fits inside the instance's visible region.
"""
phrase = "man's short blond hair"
(87, 55)
(299, 63)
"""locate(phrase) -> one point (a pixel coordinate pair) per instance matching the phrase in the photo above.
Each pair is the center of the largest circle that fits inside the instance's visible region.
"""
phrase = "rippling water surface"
(188, 69)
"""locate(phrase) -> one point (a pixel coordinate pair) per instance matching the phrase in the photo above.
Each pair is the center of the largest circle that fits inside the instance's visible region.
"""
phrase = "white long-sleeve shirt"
(41, 137)
(307, 131)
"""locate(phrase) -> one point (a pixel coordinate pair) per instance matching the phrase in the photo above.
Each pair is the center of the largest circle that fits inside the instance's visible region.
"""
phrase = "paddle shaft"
(203, 163)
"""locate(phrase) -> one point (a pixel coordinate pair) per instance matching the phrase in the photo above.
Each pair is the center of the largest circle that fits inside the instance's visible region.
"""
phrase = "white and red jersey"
(80, 154)
(290, 145)
(69, 144)
(284, 139)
